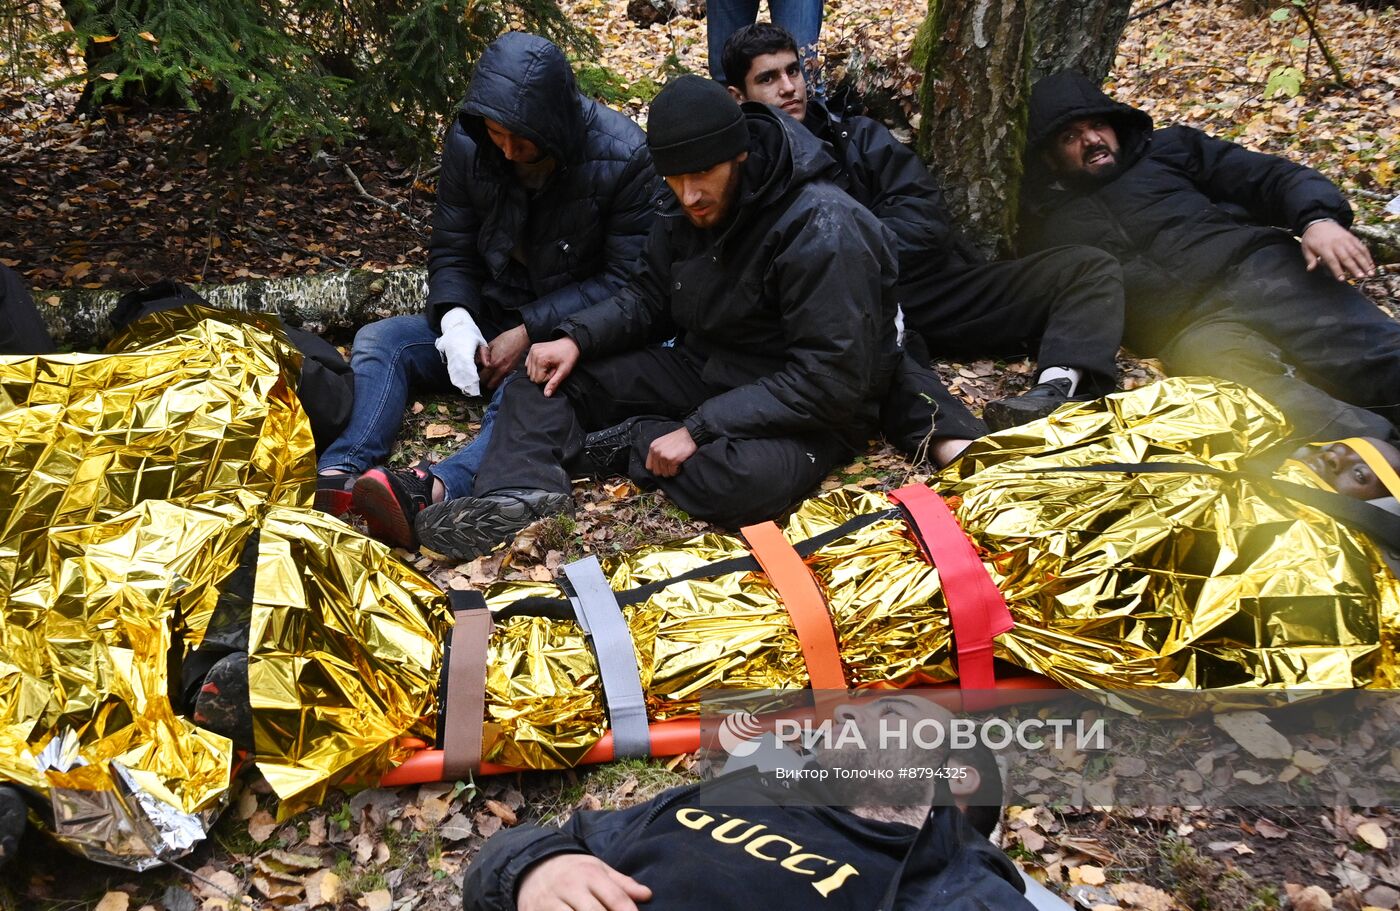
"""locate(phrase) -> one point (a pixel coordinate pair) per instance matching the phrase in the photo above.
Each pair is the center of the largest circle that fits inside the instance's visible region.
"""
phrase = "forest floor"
(138, 195)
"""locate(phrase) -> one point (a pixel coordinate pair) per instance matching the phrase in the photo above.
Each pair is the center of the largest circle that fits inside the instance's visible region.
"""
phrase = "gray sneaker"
(467, 527)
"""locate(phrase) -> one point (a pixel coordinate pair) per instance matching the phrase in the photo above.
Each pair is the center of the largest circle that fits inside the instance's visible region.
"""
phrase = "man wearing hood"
(1216, 282)
(779, 291)
(544, 201)
(1064, 305)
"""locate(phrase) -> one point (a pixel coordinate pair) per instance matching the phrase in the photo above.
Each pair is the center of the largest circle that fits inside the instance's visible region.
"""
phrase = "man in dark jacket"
(1216, 283)
(1065, 305)
(22, 330)
(780, 292)
(754, 839)
(544, 201)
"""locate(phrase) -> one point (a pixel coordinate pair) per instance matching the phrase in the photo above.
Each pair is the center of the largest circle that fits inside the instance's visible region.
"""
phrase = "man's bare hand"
(578, 882)
(550, 363)
(502, 355)
(667, 453)
(1335, 247)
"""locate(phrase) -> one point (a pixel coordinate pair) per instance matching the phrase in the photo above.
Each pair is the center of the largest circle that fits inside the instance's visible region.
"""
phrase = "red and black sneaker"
(222, 704)
(389, 499)
(333, 493)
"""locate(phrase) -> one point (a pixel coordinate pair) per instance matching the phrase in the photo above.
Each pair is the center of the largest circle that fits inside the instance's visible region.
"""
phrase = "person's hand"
(668, 452)
(578, 882)
(550, 363)
(503, 355)
(458, 345)
(1338, 249)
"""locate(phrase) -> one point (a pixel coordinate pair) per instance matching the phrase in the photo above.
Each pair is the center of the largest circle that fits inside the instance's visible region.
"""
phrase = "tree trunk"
(982, 58)
(325, 303)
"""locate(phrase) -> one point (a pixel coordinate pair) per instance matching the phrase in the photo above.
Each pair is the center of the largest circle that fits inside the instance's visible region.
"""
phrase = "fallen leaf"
(1373, 835)
(1309, 762)
(1269, 830)
(378, 900)
(1088, 874)
(502, 812)
(261, 826)
(324, 887)
(1141, 895)
(1252, 731)
(114, 901)
(438, 431)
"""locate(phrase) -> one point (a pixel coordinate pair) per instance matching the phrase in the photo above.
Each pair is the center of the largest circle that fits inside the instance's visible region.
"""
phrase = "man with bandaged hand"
(544, 202)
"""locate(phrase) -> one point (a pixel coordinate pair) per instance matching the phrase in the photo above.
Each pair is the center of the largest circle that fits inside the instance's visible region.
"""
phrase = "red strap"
(805, 604)
(975, 605)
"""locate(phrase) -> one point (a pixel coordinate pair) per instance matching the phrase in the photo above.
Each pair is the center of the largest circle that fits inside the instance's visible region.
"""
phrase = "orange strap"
(803, 599)
(466, 694)
(975, 605)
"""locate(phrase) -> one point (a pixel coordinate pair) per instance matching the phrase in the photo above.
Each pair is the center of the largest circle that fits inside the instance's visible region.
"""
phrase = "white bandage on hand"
(458, 343)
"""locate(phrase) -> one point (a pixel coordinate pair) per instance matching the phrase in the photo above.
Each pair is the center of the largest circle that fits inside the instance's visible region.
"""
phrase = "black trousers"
(1063, 305)
(538, 441)
(1319, 349)
(918, 407)
(22, 331)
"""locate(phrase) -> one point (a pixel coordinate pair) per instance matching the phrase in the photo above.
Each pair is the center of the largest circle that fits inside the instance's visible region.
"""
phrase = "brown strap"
(466, 694)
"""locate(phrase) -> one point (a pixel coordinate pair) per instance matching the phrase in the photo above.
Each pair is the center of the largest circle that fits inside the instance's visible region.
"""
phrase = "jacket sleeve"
(903, 195)
(827, 280)
(638, 314)
(630, 213)
(495, 874)
(455, 268)
(1273, 190)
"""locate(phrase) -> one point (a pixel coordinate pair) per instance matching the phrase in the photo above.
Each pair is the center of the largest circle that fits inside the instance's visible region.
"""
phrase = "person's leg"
(537, 443)
(1220, 345)
(803, 20)
(1065, 305)
(722, 19)
(1342, 341)
(919, 409)
(458, 471)
(22, 330)
(739, 482)
(389, 357)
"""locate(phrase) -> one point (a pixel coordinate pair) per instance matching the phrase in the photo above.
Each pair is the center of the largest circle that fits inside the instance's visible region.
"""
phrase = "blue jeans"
(803, 18)
(390, 357)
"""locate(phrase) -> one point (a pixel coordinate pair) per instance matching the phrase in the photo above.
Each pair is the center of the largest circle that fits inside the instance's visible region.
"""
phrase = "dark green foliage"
(270, 72)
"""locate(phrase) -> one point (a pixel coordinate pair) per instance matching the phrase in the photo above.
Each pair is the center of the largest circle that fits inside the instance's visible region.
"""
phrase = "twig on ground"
(376, 200)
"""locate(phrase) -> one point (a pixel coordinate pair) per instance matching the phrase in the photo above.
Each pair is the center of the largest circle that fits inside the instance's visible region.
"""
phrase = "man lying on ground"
(742, 840)
(543, 205)
(779, 289)
(1065, 305)
(1216, 283)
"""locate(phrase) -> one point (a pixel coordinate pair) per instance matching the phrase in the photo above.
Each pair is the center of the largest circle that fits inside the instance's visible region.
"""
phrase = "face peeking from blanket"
(1348, 471)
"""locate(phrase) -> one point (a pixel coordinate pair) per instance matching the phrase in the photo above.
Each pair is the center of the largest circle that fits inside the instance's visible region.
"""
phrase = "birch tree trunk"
(982, 56)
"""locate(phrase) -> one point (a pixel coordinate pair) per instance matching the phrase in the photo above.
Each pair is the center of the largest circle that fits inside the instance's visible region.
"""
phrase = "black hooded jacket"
(731, 843)
(579, 235)
(889, 179)
(791, 303)
(1183, 208)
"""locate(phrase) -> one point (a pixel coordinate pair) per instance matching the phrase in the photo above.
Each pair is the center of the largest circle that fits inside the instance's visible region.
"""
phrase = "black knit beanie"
(694, 125)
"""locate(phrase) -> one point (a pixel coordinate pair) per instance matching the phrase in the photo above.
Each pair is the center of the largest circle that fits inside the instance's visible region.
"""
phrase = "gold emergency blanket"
(1115, 580)
(133, 486)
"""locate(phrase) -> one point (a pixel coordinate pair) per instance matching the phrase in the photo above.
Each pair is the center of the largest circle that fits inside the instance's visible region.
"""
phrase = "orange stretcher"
(976, 609)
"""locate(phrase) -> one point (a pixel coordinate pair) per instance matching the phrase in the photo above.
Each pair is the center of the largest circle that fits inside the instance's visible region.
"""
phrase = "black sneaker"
(390, 499)
(1043, 399)
(467, 527)
(222, 704)
(606, 452)
(13, 817)
(333, 493)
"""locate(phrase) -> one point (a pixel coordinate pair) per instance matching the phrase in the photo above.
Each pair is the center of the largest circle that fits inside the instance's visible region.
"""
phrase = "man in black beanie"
(779, 291)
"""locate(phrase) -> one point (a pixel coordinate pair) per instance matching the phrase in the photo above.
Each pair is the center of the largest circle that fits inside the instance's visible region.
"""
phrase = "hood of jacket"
(783, 154)
(1063, 98)
(525, 83)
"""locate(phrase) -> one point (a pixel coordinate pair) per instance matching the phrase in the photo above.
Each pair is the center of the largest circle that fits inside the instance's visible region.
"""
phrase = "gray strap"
(601, 618)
